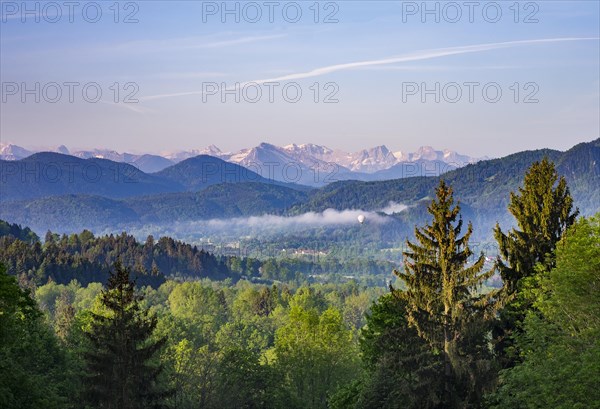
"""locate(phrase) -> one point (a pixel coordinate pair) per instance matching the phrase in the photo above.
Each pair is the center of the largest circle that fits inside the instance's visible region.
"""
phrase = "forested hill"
(86, 258)
(484, 186)
(201, 171)
(50, 174)
(18, 232)
(72, 213)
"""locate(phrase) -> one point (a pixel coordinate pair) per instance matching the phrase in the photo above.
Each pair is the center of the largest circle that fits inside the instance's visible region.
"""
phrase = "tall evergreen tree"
(122, 372)
(543, 209)
(442, 301)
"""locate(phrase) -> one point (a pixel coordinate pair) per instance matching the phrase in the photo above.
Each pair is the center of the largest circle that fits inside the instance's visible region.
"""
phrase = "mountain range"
(204, 187)
(307, 164)
(47, 174)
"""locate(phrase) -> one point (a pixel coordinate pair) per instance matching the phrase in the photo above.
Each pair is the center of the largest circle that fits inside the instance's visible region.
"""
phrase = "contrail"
(415, 56)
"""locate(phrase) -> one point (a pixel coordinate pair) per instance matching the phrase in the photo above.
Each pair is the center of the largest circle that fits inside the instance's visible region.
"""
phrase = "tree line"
(87, 258)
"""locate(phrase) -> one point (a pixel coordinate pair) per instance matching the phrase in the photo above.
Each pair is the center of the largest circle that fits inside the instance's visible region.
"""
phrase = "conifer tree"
(442, 301)
(64, 316)
(122, 373)
(543, 210)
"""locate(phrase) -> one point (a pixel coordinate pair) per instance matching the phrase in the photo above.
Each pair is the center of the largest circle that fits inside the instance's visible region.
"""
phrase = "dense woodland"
(107, 322)
(86, 258)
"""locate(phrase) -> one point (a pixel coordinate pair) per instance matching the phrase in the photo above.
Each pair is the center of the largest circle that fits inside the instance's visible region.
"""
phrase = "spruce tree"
(543, 210)
(122, 373)
(442, 301)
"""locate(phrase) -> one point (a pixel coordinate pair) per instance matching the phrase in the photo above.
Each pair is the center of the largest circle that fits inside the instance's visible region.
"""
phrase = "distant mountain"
(289, 166)
(317, 165)
(428, 153)
(152, 163)
(13, 152)
(217, 201)
(211, 150)
(308, 164)
(146, 163)
(373, 160)
(483, 188)
(52, 174)
(202, 171)
(418, 167)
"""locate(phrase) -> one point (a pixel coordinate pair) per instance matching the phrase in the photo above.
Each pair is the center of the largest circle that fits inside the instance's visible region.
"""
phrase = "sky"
(480, 78)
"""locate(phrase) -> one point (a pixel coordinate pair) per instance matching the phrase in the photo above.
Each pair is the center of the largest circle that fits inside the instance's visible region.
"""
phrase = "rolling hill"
(48, 174)
(72, 213)
(52, 174)
(202, 171)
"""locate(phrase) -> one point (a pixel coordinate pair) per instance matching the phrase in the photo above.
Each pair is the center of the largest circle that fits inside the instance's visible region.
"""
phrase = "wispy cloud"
(421, 68)
(190, 43)
(187, 75)
(237, 41)
(414, 56)
(129, 106)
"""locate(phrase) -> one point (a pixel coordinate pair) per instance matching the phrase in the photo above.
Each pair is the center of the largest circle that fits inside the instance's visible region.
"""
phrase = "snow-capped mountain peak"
(9, 151)
(63, 149)
(312, 160)
(372, 160)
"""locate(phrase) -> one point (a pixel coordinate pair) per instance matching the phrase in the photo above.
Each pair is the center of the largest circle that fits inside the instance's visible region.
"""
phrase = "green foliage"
(86, 258)
(442, 301)
(543, 211)
(244, 383)
(401, 370)
(121, 371)
(314, 351)
(34, 371)
(16, 231)
(559, 345)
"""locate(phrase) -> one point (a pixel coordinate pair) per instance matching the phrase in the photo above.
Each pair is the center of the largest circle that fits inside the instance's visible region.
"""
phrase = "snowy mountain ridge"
(305, 158)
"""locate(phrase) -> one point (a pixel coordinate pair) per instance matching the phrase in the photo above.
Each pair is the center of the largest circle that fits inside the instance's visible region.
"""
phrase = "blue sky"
(369, 61)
